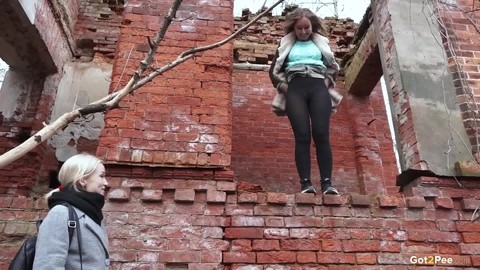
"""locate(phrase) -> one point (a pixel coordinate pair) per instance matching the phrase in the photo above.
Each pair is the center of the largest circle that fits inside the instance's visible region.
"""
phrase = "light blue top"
(304, 53)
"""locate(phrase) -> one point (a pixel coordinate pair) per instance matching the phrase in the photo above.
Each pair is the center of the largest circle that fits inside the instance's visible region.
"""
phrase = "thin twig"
(238, 32)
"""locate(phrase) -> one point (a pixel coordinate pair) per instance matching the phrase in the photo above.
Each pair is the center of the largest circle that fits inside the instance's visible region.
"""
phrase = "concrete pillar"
(431, 136)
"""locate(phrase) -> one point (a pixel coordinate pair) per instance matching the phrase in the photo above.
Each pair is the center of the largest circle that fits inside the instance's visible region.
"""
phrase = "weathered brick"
(475, 260)
(226, 186)
(292, 222)
(273, 210)
(241, 245)
(265, 245)
(331, 245)
(271, 233)
(470, 249)
(184, 195)
(248, 221)
(119, 195)
(329, 199)
(176, 257)
(152, 195)
(427, 192)
(5, 202)
(274, 257)
(239, 257)
(388, 201)
(469, 237)
(467, 226)
(214, 196)
(469, 204)
(416, 202)
(360, 245)
(239, 210)
(306, 198)
(336, 258)
(366, 258)
(300, 244)
(246, 197)
(274, 221)
(390, 246)
(360, 200)
(246, 233)
(276, 198)
(443, 203)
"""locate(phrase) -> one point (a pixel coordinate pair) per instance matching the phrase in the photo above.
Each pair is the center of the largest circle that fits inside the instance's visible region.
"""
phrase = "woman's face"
(303, 29)
(96, 182)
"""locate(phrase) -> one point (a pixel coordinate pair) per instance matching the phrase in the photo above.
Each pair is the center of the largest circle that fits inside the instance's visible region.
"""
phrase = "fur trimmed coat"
(278, 77)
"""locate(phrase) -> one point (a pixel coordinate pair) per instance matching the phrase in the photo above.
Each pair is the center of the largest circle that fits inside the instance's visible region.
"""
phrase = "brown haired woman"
(304, 71)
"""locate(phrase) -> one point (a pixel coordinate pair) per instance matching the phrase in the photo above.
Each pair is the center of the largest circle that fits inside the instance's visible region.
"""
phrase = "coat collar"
(94, 228)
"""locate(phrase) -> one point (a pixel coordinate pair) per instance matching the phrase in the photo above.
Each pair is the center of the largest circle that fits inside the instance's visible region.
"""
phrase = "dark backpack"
(23, 260)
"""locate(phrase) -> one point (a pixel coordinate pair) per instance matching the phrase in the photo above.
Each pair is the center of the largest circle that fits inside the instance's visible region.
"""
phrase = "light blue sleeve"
(51, 250)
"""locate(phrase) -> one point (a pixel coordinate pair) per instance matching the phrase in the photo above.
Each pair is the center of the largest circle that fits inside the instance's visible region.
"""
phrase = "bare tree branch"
(111, 101)
(190, 53)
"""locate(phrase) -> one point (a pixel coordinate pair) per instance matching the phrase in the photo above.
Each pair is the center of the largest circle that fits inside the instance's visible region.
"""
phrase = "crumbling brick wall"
(38, 90)
(77, 29)
(97, 29)
(206, 224)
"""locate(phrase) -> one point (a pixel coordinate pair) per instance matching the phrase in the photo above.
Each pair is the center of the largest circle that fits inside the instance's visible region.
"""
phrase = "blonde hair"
(74, 169)
(299, 13)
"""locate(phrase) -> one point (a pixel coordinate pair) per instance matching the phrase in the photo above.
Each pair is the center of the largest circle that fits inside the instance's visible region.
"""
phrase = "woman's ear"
(82, 182)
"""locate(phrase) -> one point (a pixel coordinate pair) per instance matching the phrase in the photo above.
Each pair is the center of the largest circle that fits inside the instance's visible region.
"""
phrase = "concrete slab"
(81, 84)
(427, 83)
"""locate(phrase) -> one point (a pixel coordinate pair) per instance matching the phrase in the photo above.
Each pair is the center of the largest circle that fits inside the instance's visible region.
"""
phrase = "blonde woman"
(304, 71)
(83, 183)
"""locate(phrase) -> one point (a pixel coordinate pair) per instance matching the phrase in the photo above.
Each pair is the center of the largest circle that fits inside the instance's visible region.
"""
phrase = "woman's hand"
(283, 87)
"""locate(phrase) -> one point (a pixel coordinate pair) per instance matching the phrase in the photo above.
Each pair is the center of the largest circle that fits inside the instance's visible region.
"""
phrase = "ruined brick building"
(201, 172)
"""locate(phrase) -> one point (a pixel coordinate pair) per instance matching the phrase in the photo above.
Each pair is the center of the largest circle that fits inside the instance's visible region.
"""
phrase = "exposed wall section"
(428, 121)
(97, 29)
(38, 48)
(183, 118)
(81, 84)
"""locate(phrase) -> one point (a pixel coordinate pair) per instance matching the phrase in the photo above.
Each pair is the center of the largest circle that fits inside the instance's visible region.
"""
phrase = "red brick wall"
(463, 51)
(100, 22)
(182, 118)
(175, 224)
(263, 145)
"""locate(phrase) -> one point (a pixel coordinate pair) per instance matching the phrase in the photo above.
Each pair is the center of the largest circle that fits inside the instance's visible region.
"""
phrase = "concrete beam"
(431, 137)
(363, 72)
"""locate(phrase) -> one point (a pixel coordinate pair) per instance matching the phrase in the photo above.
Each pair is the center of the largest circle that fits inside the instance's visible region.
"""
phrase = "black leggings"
(308, 101)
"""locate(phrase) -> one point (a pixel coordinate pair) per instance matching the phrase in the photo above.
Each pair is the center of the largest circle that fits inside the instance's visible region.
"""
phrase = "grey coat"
(53, 252)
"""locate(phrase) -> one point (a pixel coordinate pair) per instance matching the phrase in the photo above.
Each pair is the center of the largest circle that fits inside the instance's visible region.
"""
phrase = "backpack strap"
(72, 225)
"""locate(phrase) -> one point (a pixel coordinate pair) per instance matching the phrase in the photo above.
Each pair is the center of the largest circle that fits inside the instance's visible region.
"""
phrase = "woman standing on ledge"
(304, 71)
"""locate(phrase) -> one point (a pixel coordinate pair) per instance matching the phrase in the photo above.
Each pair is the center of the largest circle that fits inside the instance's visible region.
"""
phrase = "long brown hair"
(299, 13)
